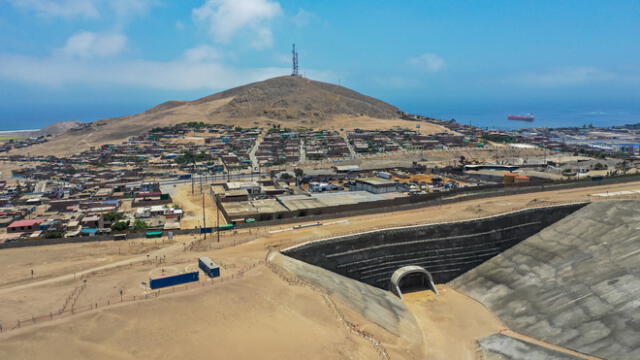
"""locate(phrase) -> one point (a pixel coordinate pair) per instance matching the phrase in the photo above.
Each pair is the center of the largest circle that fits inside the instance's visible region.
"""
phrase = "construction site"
(547, 275)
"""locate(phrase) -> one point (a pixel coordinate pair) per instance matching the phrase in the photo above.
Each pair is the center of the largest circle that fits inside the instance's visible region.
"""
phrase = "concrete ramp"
(575, 284)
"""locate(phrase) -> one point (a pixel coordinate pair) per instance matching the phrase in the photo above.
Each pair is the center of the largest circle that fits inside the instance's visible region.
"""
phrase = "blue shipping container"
(209, 267)
(174, 280)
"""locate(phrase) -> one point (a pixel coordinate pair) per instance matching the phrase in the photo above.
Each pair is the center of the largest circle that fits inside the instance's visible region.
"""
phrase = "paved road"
(252, 153)
(303, 152)
(352, 152)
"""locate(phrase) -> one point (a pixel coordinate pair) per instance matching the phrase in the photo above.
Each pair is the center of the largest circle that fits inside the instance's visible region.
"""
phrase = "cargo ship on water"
(527, 117)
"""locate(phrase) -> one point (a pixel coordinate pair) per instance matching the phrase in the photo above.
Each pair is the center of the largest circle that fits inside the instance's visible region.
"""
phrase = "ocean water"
(482, 114)
(494, 116)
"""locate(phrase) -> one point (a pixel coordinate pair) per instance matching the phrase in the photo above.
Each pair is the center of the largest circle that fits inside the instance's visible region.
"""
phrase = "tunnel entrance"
(411, 278)
(414, 282)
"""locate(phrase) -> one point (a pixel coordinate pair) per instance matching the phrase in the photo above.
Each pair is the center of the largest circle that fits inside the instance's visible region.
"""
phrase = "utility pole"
(192, 175)
(204, 218)
(218, 216)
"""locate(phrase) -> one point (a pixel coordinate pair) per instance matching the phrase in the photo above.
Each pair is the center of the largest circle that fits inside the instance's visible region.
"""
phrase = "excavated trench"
(444, 250)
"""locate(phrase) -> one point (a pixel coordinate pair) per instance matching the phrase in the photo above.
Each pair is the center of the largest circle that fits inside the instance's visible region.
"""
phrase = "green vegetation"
(10, 138)
(53, 234)
(113, 216)
(189, 157)
(500, 138)
(140, 225)
(120, 226)
(600, 166)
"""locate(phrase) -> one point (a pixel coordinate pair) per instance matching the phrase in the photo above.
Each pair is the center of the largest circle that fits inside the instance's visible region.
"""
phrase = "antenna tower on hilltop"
(295, 61)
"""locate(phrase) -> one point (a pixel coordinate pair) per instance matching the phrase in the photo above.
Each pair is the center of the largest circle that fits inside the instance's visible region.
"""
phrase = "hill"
(53, 129)
(291, 101)
(59, 127)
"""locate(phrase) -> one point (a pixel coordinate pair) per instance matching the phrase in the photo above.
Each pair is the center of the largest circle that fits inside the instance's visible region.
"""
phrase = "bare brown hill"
(296, 98)
(291, 101)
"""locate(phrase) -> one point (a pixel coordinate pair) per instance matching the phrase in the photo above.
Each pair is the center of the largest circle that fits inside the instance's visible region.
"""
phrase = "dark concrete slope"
(503, 347)
(575, 284)
(445, 250)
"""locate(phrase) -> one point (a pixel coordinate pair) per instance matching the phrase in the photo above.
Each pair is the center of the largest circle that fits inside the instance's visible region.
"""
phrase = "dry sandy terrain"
(451, 323)
(192, 205)
(255, 315)
(115, 131)
(260, 317)
(289, 101)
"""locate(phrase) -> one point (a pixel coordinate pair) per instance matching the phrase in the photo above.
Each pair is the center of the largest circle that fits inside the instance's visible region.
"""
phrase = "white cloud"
(60, 8)
(123, 9)
(302, 17)
(263, 38)
(194, 70)
(566, 76)
(428, 62)
(202, 53)
(130, 8)
(224, 18)
(87, 44)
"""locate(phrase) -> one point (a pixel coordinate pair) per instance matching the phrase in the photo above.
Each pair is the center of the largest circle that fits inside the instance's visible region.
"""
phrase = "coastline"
(11, 132)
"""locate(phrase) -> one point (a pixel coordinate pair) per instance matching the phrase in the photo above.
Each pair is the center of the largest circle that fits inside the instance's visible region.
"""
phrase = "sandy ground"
(260, 317)
(191, 203)
(369, 123)
(280, 321)
(451, 323)
(16, 264)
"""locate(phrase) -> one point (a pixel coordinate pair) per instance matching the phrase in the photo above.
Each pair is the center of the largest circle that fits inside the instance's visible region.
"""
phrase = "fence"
(69, 308)
(435, 199)
(83, 239)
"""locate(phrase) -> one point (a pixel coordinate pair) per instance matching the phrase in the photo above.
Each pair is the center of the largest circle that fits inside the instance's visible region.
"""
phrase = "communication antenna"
(295, 62)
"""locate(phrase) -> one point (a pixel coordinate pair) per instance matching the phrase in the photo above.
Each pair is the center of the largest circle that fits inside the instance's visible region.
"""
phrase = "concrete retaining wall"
(445, 250)
(575, 284)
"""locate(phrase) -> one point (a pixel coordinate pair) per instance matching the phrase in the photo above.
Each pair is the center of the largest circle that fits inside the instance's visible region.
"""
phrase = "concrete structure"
(287, 206)
(575, 284)
(503, 347)
(376, 185)
(445, 250)
(378, 306)
(409, 278)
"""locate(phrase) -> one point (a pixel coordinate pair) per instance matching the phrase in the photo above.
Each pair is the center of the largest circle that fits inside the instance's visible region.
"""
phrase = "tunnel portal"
(410, 279)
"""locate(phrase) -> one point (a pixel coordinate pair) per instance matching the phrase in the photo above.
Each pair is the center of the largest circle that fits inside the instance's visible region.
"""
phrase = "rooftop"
(24, 223)
(376, 181)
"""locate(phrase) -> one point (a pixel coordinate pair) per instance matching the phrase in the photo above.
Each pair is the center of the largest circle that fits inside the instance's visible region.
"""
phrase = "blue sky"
(90, 59)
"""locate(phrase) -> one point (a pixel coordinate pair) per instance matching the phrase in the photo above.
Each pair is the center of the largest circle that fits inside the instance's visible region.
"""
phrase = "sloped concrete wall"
(378, 306)
(502, 347)
(575, 284)
(445, 250)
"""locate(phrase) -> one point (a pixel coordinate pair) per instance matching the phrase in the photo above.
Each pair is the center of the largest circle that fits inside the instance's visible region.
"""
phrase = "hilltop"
(287, 100)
